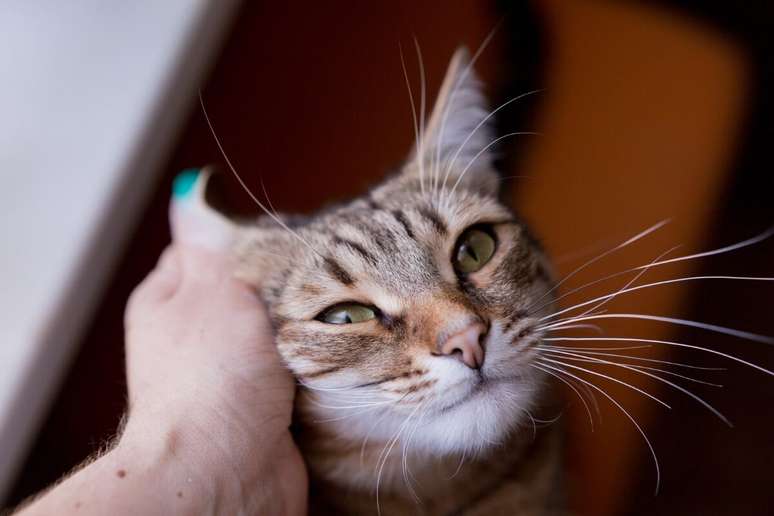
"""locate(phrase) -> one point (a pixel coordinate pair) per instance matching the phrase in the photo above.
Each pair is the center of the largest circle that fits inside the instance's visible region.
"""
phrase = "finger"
(164, 279)
(192, 219)
(162, 282)
(169, 261)
(202, 267)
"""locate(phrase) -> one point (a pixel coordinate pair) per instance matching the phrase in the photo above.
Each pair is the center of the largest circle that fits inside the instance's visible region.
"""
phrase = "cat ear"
(456, 138)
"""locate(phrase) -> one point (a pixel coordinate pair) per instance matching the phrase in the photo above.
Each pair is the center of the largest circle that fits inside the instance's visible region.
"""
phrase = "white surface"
(91, 92)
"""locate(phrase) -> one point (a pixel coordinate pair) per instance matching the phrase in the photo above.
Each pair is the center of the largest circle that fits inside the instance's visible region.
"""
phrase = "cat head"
(416, 304)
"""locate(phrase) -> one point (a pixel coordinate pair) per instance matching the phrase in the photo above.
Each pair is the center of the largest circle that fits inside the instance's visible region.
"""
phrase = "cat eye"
(474, 249)
(347, 313)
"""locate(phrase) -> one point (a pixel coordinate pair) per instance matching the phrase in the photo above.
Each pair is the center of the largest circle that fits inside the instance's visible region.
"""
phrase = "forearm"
(175, 472)
(130, 479)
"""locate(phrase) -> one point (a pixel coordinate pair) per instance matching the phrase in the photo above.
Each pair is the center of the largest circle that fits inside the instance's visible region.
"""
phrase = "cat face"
(413, 306)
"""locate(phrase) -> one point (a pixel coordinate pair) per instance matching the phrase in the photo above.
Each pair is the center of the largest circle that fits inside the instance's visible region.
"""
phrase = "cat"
(408, 317)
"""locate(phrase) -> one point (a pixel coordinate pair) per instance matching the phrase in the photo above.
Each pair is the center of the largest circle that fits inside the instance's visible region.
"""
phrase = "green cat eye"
(474, 249)
(348, 313)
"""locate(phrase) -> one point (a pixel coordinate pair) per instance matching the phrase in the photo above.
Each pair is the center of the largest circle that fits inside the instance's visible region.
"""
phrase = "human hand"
(206, 383)
(210, 401)
(205, 380)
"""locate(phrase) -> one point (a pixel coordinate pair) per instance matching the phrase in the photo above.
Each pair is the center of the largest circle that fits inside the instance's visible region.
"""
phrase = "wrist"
(171, 480)
(216, 471)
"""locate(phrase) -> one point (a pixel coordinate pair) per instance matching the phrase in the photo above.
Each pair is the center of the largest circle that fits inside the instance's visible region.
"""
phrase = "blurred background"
(647, 111)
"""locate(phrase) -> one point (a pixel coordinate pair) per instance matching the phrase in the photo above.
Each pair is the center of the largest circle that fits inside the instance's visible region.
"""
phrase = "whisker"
(665, 343)
(607, 297)
(547, 422)
(654, 376)
(478, 155)
(382, 460)
(681, 322)
(534, 425)
(244, 186)
(578, 254)
(354, 406)
(492, 113)
(607, 377)
(454, 89)
(663, 371)
(568, 384)
(622, 409)
(368, 434)
(630, 357)
(459, 466)
(588, 263)
(627, 285)
(584, 389)
(336, 389)
(569, 320)
(407, 476)
(347, 416)
(616, 348)
(584, 326)
(414, 117)
(422, 104)
(739, 245)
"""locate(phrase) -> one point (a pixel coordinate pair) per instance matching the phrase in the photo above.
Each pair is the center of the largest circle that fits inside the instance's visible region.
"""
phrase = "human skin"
(209, 405)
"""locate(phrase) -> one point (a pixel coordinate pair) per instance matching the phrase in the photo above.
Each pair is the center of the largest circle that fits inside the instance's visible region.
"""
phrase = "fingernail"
(193, 221)
(184, 183)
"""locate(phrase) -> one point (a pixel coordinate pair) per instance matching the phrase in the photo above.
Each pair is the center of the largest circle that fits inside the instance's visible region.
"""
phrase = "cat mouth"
(481, 385)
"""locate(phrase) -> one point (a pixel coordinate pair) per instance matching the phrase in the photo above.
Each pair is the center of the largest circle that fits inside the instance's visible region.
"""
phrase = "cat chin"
(480, 423)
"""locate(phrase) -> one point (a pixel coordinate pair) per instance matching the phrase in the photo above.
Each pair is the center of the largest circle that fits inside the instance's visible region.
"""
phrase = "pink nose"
(465, 345)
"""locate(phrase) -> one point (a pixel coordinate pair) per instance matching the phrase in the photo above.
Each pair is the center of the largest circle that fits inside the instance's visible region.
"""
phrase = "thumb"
(203, 236)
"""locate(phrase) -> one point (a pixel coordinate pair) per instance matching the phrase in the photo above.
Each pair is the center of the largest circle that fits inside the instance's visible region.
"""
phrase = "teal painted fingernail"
(184, 182)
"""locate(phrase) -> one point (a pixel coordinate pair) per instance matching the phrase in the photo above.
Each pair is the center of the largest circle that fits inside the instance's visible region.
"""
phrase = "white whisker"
(739, 245)
(620, 407)
(384, 456)
(407, 476)
(651, 375)
(630, 357)
(607, 377)
(577, 393)
(650, 285)
(615, 348)
(422, 106)
(244, 185)
(417, 144)
(492, 113)
(682, 322)
(665, 343)
(478, 155)
(588, 263)
(459, 466)
(745, 243)
(447, 108)
(623, 289)
(584, 326)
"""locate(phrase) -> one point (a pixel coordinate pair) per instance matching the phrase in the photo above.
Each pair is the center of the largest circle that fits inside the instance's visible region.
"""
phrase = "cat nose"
(466, 346)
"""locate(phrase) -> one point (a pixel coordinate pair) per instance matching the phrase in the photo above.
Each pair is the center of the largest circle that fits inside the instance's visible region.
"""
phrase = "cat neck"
(345, 473)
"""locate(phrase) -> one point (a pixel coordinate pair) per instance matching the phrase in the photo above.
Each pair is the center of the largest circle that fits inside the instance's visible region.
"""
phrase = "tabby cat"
(408, 317)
